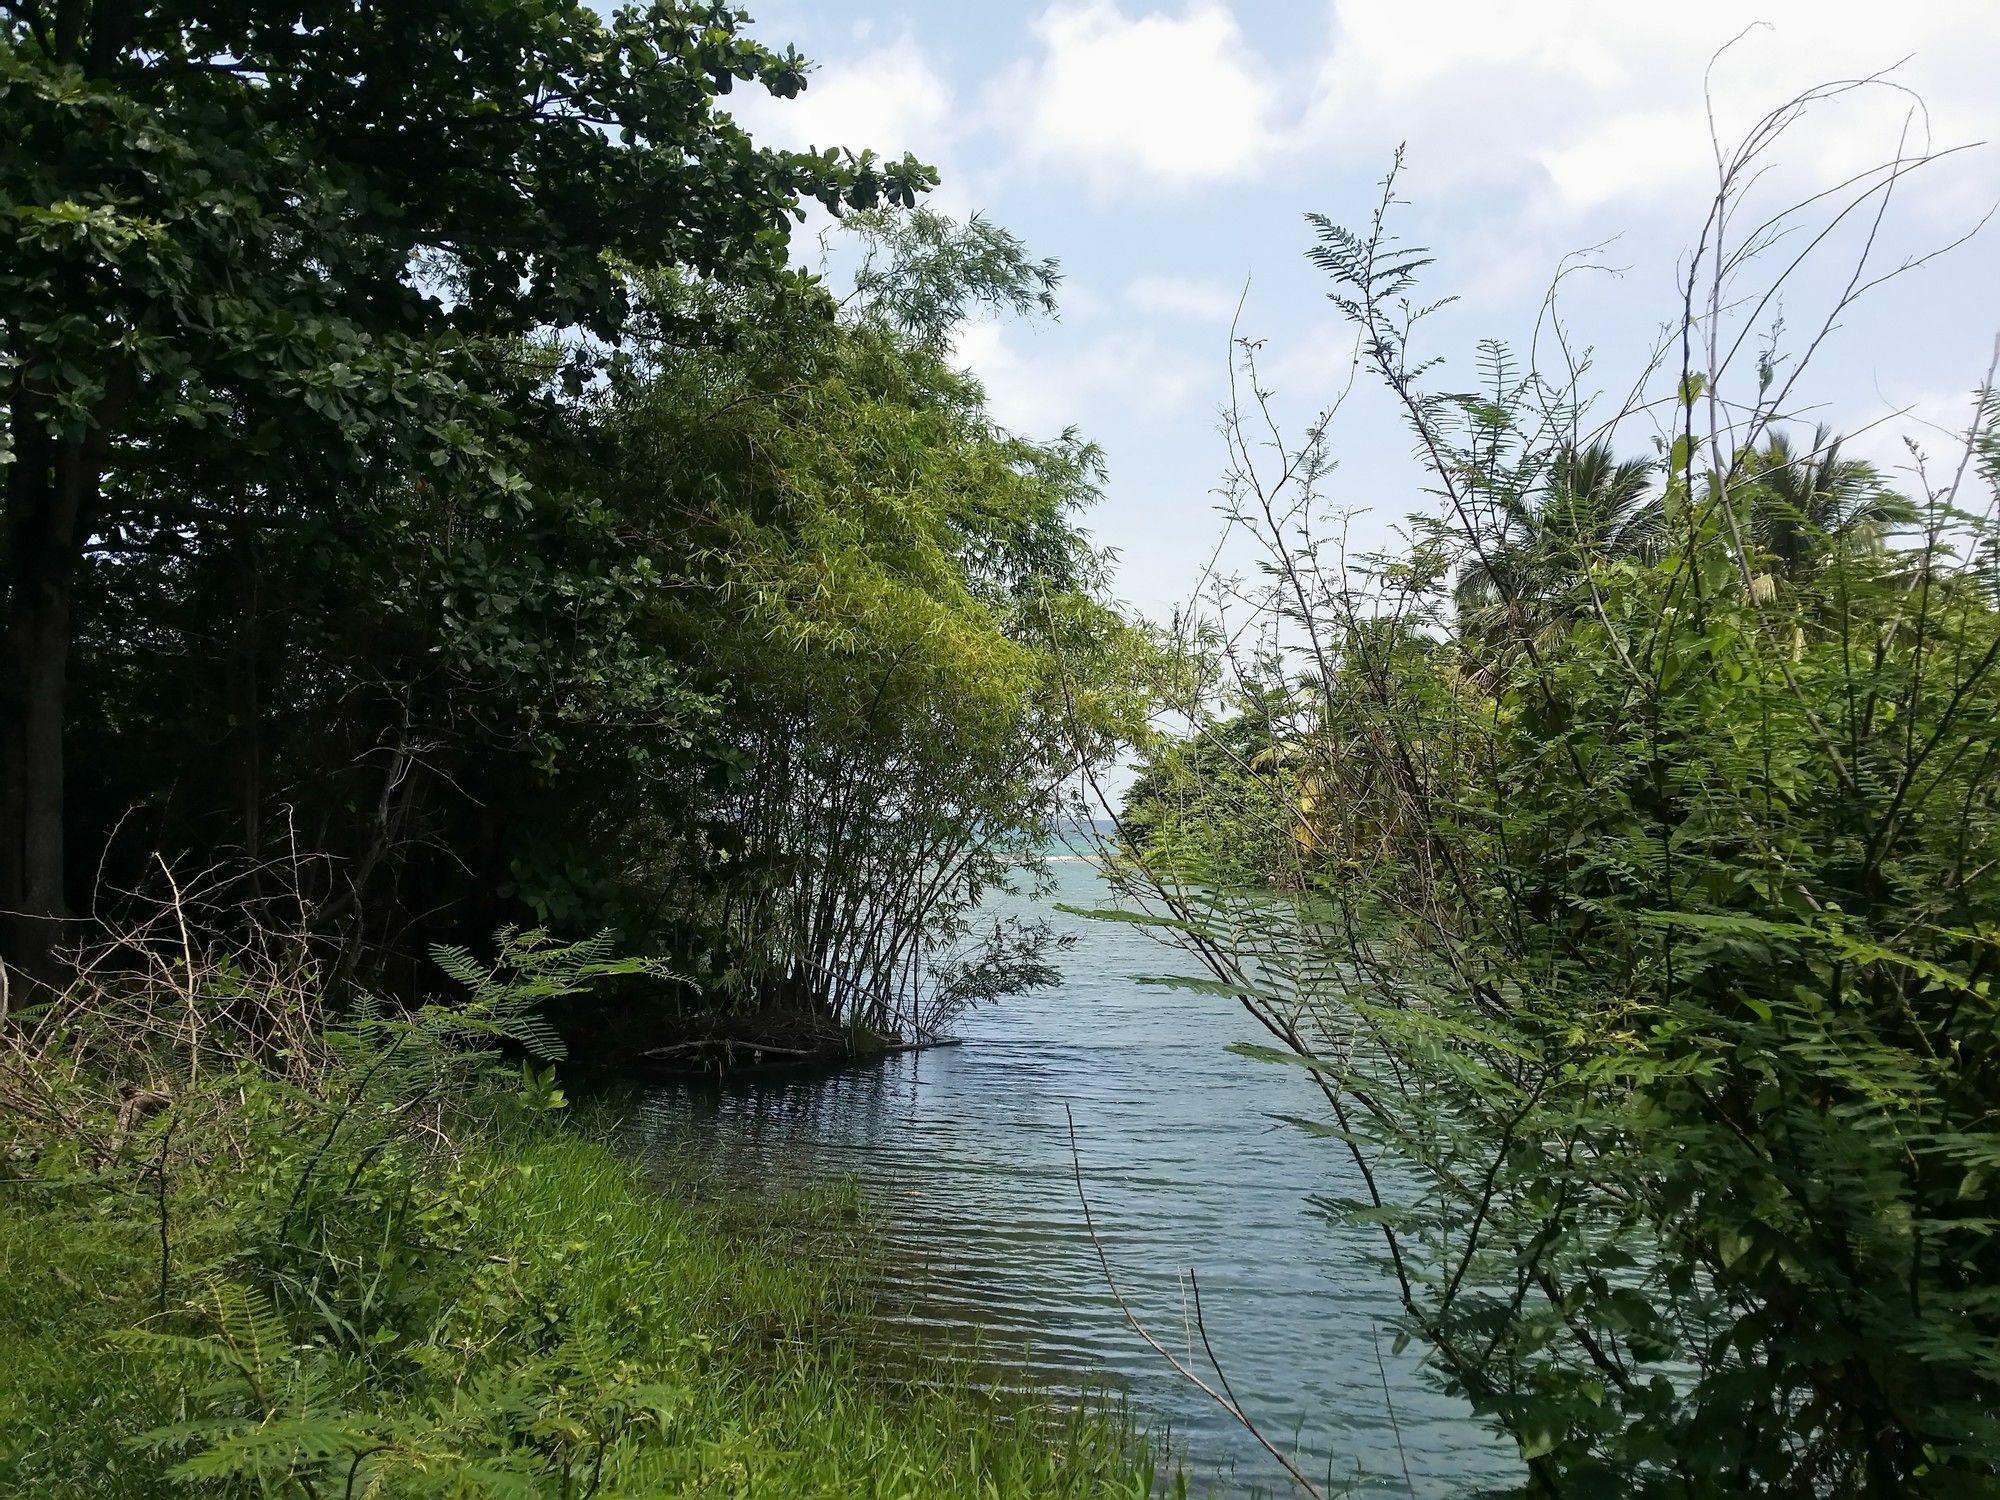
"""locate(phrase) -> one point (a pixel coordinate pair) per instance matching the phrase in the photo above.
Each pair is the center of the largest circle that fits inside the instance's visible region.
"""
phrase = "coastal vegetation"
(425, 470)
(1618, 856)
(437, 506)
(248, 1247)
(478, 616)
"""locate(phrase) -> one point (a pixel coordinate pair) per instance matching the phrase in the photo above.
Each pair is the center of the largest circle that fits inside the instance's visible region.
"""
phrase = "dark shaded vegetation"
(436, 505)
(425, 475)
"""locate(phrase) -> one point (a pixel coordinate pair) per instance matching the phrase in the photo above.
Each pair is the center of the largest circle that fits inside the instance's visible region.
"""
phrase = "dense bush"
(411, 481)
(1644, 944)
(269, 270)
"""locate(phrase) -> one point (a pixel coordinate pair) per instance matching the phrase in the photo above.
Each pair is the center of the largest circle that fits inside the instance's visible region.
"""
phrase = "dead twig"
(1223, 1398)
(1375, 1338)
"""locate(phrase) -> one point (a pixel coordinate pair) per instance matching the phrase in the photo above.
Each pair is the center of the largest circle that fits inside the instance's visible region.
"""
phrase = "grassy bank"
(375, 1262)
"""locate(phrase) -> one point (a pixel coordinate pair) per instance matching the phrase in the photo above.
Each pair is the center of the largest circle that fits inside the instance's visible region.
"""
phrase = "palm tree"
(1593, 507)
(1800, 511)
(1805, 509)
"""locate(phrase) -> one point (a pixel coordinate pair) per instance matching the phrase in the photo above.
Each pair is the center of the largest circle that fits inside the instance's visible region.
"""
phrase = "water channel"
(965, 1153)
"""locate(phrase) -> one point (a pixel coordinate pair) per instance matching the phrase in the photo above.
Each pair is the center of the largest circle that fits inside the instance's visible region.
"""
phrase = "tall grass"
(395, 1267)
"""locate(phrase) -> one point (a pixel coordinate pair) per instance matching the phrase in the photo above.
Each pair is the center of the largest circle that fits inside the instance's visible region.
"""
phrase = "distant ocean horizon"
(1089, 827)
(1072, 840)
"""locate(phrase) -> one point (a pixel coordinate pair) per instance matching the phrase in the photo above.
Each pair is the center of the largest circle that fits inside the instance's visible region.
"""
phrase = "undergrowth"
(247, 1250)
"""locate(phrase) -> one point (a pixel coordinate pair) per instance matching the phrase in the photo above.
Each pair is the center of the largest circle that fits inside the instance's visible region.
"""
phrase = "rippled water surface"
(966, 1153)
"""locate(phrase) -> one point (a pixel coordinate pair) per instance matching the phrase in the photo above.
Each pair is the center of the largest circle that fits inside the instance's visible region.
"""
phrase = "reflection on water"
(965, 1151)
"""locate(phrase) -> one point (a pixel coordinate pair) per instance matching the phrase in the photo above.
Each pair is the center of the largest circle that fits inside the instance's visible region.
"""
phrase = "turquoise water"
(966, 1152)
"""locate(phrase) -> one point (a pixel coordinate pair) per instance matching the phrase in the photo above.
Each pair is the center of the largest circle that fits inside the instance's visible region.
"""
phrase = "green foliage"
(660, 634)
(902, 629)
(266, 314)
(1719, 1026)
(1650, 984)
(505, 1001)
(379, 1274)
(175, 168)
(415, 428)
(1590, 509)
(1224, 806)
(922, 273)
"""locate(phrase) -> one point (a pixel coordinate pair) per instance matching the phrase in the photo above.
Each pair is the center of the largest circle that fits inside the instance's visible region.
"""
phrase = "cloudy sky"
(1167, 151)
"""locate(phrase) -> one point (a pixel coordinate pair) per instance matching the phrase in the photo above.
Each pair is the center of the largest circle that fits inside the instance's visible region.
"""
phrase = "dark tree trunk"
(44, 503)
(52, 495)
(246, 709)
(51, 503)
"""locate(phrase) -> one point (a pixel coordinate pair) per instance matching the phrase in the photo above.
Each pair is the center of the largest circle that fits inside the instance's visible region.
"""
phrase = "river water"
(965, 1153)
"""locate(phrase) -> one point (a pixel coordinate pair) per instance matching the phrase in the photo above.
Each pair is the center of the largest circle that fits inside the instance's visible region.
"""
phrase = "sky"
(1166, 153)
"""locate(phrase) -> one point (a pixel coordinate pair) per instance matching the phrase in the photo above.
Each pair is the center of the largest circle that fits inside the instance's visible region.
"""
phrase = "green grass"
(526, 1316)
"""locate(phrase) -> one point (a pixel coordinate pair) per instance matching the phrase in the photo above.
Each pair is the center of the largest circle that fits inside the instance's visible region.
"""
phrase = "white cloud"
(1184, 297)
(1156, 98)
(1584, 103)
(890, 99)
(1312, 365)
(1039, 392)
(1938, 422)
(1628, 154)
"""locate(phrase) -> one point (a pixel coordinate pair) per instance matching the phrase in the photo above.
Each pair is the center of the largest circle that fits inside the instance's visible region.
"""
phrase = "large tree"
(262, 257)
